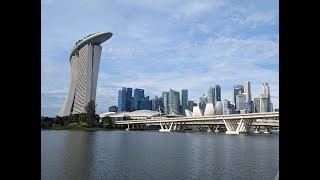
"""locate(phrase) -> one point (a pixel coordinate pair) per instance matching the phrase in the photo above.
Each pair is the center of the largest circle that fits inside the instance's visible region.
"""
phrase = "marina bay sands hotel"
(84, 61)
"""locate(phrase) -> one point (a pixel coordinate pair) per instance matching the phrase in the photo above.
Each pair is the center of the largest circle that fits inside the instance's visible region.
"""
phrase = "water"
(155, 155)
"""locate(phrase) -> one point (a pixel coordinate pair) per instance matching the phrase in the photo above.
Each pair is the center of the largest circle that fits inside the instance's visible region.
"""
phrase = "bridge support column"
(168, 128)
(128, 129)
(237, 127)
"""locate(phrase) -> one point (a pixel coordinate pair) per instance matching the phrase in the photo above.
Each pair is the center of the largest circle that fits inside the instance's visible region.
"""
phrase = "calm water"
(154, 155)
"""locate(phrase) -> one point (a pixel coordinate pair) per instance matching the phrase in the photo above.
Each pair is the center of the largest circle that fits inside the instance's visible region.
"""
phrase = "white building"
(84, 61)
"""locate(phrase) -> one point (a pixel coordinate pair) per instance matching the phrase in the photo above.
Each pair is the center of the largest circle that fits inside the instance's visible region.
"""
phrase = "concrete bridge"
(234, 123)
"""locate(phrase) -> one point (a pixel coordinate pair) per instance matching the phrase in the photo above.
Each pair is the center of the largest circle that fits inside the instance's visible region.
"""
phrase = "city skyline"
(162, 45)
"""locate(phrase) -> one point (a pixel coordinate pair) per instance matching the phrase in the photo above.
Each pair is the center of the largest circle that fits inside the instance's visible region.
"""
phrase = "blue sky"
(162, 44)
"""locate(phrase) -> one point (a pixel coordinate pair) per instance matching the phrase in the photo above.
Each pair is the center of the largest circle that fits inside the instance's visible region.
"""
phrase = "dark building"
(190, 105)
(145, 104)
(128, 107)
(184, 101)
(217, 93)
(156, 103)
(122, 99)
(137, 97)
(113, 109)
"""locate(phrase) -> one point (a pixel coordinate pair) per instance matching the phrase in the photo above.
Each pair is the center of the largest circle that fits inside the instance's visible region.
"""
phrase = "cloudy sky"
(162, 44)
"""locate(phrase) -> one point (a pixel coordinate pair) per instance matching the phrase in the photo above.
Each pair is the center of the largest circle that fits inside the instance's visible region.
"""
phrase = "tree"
(91, 114)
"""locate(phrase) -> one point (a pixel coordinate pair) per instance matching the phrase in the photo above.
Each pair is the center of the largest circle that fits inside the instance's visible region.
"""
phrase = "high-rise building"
(256, 105)
(165, 97)
(174, 102)
(137, 98)
(247, 91)
(156, 103)
(264, 104)
(211, 96)
(145, 104)
(226, 105)
(128, 107)
(84, 61)
(122, 98)
(266, 98)
(237, 90)
(217, 93)
(202, 102)
(184, 101)
(190, 105)
(218, 108)
(240, 102)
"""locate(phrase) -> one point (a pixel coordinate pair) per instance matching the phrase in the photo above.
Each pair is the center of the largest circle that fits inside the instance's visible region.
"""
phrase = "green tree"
(91, 114)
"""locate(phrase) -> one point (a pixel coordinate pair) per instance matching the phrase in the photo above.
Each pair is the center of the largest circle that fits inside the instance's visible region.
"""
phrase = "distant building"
(156, 103)
(217, 93)
(137, 98)
(184, 101)
(190, 105)
(122, 99)
(113, 109)
(210, 96)
(214, 94)
(202, 102)
(218, 108)
(128, 106)
(264, 104)
(276, 109)
(237, 90)
(256, 105)
(174, 102)
(247, 91)
(165, 97)
(226, 104)
(240, 102)
(145, 104)
(266, 94)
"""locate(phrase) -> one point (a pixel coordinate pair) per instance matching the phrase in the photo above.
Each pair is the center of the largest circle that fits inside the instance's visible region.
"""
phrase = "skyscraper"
(256, 105)
(202, 102)
(265, 95)
(247, 91)
(184, 99)
(237, 90)
(217, 93)
(122, 98)
(241, 102)
(128, 107)
(84, 60)
(165, 97)
(174, 102)
(264, 104)
(211, 96)
(145, 104)
(137, 97)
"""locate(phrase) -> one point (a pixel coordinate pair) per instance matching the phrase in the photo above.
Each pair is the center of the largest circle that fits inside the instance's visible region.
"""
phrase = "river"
(154, 155)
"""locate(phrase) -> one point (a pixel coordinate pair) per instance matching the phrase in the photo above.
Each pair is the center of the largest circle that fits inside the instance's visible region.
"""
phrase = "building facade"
(247, 91)
(113, 109)
(84, 61)
(256, 105)
(217, 93)
(240, 102)
(137, 98)
(165, 97)
(174, 102)
(237, 90)
(184, 101)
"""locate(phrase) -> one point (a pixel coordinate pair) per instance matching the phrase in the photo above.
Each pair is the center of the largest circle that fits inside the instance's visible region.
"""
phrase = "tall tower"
(266, 95)
(247, 91)
(174, 102)
(237, 90)
(84, 61)
(184, 101)
(137, 97)
(217, 93)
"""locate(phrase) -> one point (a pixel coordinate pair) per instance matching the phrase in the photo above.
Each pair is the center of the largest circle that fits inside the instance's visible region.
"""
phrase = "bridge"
(234, 123)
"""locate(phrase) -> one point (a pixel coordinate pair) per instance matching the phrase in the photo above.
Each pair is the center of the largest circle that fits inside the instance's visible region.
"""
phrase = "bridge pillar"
(237, 126)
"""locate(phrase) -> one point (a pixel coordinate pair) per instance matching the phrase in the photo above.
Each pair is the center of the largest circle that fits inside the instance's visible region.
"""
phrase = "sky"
(162, 44)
